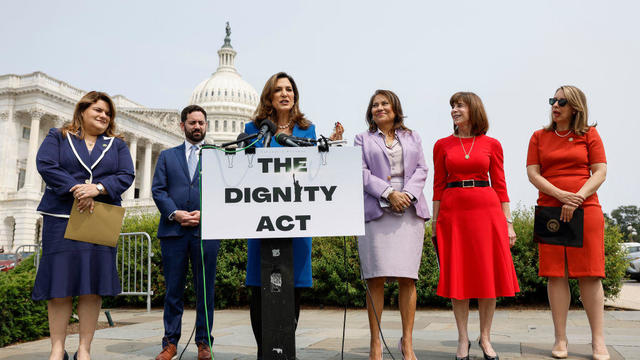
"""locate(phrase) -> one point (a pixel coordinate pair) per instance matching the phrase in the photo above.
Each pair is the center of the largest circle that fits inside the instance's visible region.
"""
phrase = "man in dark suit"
(176, 192)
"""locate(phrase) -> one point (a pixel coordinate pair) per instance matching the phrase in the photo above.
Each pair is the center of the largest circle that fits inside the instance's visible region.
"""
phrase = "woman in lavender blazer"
(394, 173)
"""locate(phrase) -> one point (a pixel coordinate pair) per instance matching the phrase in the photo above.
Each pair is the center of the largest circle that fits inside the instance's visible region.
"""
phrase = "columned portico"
(146, 170)
(133, 149)
(5, 148)
(32, 179)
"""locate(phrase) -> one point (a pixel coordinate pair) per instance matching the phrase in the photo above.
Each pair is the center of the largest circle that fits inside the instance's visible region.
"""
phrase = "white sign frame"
(333, 211)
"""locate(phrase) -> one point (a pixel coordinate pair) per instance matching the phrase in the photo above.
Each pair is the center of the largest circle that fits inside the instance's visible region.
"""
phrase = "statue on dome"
(227, 39)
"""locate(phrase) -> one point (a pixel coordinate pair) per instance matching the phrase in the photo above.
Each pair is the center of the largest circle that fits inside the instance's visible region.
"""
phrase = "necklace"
(288, 125)
(466, 154)
(565, 135)
(390, 146)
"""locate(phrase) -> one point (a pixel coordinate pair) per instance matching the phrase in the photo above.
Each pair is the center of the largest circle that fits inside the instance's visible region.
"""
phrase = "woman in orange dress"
(567, 163)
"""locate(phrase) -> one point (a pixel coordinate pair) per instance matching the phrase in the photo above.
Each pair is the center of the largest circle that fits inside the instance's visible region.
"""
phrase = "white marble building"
(31, 104)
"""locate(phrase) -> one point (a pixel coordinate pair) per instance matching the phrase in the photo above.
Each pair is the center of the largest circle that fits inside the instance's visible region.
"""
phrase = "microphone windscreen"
(281, 139)
(242, 136)
(272, 127)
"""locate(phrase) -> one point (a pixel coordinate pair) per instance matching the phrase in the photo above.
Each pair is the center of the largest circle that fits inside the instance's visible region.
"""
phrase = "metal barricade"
(23, 251)
(131, 261)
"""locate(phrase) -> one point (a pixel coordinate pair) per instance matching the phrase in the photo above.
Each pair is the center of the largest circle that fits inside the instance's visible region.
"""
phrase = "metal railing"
(29, 249)
(133, 257)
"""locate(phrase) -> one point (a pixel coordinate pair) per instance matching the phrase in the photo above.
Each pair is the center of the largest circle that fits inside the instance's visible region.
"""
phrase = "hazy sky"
(513, 54)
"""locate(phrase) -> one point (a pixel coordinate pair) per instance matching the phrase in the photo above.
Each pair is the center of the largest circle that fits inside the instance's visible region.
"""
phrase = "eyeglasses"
(561, 102)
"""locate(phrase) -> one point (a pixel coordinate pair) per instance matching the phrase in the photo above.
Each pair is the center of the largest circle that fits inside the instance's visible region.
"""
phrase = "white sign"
(282, 193)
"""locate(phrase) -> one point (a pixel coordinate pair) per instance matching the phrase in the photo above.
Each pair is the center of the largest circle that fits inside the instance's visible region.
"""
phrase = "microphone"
(243, 139)
(285, 140)
(267, 129)
(292, 141)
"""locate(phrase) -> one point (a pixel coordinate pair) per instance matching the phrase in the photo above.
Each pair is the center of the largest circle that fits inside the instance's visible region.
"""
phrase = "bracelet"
(509, 220)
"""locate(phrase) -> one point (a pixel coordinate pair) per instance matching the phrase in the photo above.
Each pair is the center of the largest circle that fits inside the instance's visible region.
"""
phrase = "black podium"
(278, 312)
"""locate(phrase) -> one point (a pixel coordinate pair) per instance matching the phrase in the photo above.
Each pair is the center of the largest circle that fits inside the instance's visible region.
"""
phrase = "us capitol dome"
(229, 100)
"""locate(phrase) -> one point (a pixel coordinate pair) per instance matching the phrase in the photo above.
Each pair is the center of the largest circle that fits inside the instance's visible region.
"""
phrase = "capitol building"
(33, 103)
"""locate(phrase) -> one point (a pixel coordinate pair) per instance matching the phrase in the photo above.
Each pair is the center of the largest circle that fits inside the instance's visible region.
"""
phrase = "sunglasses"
(561, 102)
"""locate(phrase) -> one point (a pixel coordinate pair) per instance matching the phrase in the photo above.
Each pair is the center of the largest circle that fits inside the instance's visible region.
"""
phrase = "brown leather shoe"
(204, 353)
(168, 352)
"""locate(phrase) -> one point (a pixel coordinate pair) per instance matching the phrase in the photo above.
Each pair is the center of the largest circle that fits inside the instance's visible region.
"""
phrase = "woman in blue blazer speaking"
(279, 103)
(87, 161)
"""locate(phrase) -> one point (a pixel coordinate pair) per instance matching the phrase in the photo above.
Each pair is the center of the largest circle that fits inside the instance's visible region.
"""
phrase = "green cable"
(229, 151)
(204, 281)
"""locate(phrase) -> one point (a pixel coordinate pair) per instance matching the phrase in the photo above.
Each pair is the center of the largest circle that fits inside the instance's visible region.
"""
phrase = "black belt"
(468, 183)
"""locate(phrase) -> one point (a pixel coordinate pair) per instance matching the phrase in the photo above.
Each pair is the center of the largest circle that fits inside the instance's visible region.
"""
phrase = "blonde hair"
(75, 127)
(578, 102)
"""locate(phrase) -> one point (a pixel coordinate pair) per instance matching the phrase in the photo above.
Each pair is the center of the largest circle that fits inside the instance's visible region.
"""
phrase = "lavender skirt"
(392, 244)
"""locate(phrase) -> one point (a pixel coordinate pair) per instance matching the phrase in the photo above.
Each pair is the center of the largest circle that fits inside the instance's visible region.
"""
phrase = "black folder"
(548, 229)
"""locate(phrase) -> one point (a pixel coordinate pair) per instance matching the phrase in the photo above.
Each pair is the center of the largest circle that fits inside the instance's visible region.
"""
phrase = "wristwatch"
(100, 188)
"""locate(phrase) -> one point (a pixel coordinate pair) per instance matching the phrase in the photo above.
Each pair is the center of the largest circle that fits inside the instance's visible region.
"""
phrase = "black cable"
(344, 321)
(377, 320)
(346, 296)
(188, 341)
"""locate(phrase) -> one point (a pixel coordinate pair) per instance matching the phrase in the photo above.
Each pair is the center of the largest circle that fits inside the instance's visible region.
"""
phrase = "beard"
(195, 136)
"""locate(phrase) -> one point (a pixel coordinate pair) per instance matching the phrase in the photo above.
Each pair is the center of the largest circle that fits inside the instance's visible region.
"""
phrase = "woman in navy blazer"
(87, 161)
(394, 173)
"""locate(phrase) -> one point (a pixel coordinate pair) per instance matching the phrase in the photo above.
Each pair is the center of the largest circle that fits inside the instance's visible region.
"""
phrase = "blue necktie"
(193, 160)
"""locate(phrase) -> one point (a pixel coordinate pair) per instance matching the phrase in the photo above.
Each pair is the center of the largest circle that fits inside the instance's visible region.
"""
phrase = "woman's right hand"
(86, 204)
(399, 201)
(566, 214)
(569, 198)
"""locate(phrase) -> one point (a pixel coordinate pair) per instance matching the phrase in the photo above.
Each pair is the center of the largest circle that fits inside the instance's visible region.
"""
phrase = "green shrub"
(22, 319)
(231, 268)
(331, 277)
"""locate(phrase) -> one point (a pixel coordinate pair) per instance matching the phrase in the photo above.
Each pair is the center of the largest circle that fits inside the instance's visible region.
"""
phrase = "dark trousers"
(177, 252)
(255, 312)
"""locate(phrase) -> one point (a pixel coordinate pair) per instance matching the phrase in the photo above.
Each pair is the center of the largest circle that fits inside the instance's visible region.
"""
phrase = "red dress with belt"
(565, 162)
(472, 233)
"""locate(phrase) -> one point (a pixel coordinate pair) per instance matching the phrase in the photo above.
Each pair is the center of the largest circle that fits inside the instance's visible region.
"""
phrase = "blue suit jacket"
(172, 190)
(64, 161)
(310, 132)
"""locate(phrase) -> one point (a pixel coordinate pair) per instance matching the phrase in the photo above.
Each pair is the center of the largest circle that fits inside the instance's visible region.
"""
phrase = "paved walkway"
(629, 297)
(516, 334)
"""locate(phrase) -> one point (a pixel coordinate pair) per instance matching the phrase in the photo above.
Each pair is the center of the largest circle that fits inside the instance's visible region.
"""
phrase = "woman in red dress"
(567, 164)
(472, 220)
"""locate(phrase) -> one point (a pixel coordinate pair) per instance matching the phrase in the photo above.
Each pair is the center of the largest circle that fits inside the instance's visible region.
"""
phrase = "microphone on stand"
(292, 141)
(267, 129)
(244, 141)
(285, 140)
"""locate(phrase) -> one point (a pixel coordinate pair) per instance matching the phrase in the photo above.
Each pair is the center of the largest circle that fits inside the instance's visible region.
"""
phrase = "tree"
(625, 216)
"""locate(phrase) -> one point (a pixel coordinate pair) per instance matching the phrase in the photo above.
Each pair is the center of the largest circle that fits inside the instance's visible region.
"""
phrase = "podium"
(277, 194)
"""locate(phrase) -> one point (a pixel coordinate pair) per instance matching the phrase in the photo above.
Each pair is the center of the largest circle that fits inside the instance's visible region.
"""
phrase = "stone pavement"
(629, 297)
(516, 334)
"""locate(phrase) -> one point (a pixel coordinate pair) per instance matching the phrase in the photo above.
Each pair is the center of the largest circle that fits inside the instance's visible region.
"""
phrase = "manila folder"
(102, 227)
